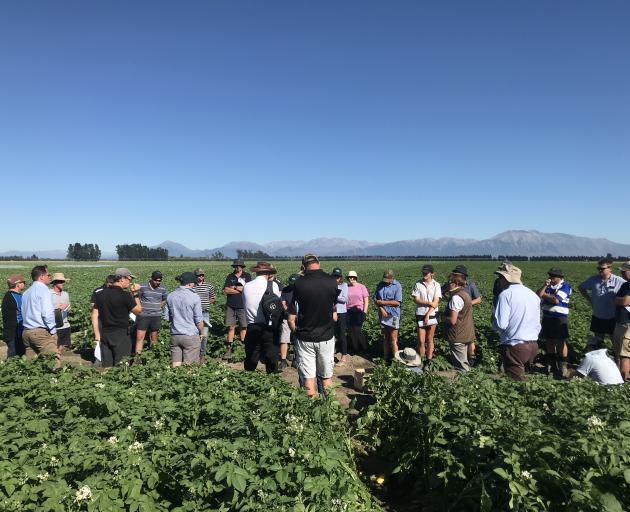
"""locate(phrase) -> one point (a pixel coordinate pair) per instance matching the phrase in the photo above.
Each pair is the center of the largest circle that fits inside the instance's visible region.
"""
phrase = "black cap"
(336, 272)
(156, 275)
(427, 268)
(293, 278)
(460, 269)
(555, 272)
(187, 278)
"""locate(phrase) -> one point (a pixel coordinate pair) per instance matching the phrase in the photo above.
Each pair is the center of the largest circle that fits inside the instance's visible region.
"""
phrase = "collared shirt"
(37, 308)
(342, 298)
(389, 291)
(516, 315)
(252, 293)
(427, 292)
(357, 293)
(184, 310)
(235, 300)
(599, 367)
(561, 291)
(62, 298)
(603, 294)
(151, 299)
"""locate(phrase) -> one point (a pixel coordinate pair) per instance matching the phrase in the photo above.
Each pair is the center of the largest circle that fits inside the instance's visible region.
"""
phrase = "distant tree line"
(79, 251)
(244, 254)
(140, 252)
(34, 257)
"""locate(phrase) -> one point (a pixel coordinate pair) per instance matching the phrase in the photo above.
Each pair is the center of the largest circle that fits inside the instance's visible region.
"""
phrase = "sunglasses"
(602, 268)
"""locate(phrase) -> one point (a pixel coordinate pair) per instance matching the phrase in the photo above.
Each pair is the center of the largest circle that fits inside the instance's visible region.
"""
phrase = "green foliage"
(148, 437)
(480, 442)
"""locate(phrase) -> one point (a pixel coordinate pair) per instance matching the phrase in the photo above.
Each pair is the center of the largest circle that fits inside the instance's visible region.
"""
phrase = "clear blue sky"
(195, 121)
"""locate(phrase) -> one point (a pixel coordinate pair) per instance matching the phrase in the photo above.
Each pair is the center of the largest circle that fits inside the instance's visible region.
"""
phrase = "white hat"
(408, 357)
(352, 273)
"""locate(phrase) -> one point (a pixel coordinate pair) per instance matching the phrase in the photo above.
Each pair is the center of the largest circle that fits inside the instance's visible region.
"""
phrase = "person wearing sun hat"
(516, 317)
(555, 295)
(61, 303)
(12, 315)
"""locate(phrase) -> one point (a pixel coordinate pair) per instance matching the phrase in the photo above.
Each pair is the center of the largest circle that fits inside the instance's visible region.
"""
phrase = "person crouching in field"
(426, 294)
(596, 364)
(555, 295)
(460, 326)
(110, 317)
(388, 298)
(186, 319)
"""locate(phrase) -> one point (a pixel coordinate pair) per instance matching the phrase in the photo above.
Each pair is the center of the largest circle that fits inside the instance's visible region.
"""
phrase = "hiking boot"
(228, 353)
(282, 364)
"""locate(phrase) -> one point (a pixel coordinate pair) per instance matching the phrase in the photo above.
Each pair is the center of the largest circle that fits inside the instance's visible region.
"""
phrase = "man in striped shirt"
(208, 296)
(152, 297)
(555, 295)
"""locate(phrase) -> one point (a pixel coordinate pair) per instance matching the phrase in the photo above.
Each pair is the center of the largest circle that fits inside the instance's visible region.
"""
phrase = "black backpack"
(272, 307)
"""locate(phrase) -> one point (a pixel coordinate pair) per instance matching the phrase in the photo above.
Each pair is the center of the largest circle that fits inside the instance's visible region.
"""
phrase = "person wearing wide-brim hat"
(410, 358)
(234, 308)
(12, 315)
(555, 295)
(516, 317)
(61, 303)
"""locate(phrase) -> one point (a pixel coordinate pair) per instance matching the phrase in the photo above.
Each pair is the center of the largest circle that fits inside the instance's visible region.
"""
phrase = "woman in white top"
(426, 294)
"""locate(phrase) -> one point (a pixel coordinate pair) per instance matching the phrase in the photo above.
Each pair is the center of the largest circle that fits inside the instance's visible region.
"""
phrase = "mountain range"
(514, 242)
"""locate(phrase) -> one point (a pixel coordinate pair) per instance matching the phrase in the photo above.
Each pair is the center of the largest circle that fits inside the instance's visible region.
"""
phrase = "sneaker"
(282, 364)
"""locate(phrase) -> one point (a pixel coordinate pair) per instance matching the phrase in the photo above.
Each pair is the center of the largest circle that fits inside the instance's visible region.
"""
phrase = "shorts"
(148, 323)
(602, 325)
(393, 322)
(555, 328)
(316, 359)
(232, 314)
(433, 320)
(621, 340)
(285, 333)
(355, 318)
(185, 349)
(63, 338)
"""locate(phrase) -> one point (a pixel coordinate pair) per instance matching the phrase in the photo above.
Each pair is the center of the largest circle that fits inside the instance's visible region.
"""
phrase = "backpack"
(272, 307)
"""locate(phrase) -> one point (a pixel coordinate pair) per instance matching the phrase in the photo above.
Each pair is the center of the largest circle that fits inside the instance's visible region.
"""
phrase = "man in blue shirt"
(388, 298)
(555, 295)
(186, 317)
(38, 316)
(12, 316)
(516, 318)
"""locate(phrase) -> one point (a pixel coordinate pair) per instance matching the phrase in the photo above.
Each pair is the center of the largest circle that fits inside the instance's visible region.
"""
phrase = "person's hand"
(60, 306)
(383, 312)
(426, 319)
(547, 282)
(135, 287)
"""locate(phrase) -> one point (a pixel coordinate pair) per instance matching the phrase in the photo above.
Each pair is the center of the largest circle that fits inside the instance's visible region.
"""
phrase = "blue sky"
(210, 121)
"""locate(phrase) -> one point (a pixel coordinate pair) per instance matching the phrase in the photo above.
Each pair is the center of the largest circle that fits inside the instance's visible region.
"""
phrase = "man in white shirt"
(261, 340)
(597, 365)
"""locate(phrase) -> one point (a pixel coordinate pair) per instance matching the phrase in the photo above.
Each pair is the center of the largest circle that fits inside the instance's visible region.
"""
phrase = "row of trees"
(78, 251)
(141, 252)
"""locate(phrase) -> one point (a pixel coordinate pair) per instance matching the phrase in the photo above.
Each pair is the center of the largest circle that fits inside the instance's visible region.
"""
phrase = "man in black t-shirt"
(312, 315)
(234, 308)
(110, 317)
(621, 335)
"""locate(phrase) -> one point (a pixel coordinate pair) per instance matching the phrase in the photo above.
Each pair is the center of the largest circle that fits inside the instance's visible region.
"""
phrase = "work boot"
(282, 364)
(228, 353)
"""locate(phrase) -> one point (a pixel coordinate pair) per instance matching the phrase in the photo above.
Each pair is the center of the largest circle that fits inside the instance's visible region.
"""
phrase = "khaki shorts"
(315, 359)
(285, 333)
(232, 315)
(39, 341)
(621, 340)
(185, 349)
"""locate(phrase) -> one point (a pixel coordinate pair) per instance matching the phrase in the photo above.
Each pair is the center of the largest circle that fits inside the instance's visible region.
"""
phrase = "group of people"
(321, 310)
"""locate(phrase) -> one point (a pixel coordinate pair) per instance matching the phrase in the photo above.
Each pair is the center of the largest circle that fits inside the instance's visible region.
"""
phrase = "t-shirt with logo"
(235, 300)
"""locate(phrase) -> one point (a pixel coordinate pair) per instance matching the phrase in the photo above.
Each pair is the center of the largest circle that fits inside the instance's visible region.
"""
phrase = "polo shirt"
(114, 304)
(357, 293)
(599, 367)
(389, 291)
(426, 291)
(603, 294)
(314, 297)
(184, 309)
(622, 313)
(516, 316)
(235, 300)
(253, 292)
(562, 291)
(151, 299)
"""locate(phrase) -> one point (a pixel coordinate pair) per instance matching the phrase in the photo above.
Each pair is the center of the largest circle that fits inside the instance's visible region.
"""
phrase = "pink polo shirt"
(356, 294)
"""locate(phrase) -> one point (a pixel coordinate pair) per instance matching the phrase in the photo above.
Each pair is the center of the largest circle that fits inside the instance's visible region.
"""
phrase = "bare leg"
(140, 340)
(243, 332)
(230, 334)
(430, 336)
(153, 338)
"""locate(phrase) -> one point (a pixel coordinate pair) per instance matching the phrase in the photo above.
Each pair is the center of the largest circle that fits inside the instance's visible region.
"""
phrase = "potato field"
(213, 438)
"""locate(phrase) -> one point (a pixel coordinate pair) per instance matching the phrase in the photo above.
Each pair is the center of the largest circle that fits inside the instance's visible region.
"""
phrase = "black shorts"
(355, 317)
(63, 338)
(602, 325)
(148, 323)
(555, 328)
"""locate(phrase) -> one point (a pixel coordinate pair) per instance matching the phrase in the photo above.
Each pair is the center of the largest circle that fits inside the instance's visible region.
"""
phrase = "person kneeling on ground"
(597, 365)
(410, 358)
(186, 318)
(460, 326)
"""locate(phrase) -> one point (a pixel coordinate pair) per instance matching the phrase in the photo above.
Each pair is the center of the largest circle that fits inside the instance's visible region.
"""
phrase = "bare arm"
(94, 318)
(291, 322)
(585, 294)
(232, 290)
(623, 301)
(366, 303)
(452, 319)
